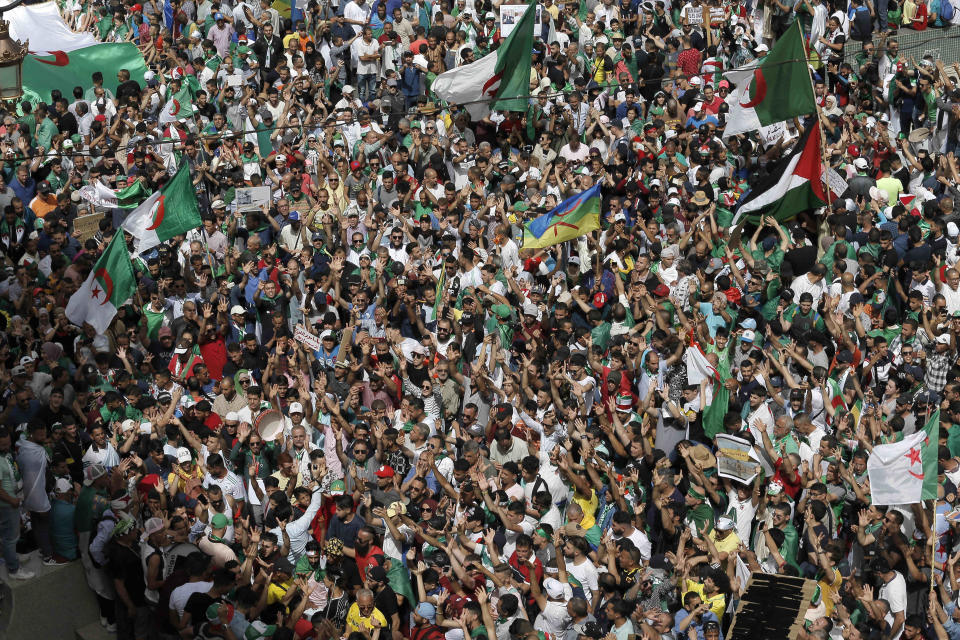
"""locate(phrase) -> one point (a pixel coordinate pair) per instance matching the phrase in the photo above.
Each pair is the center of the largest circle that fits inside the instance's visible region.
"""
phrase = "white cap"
(296, 407)
(553, 587)
(861, 164)
(232, 416)
(127, 425)
(183, 455)
(328, 334)
(180, 350)
(761, 47)
(943, 338)
(952, 230)
(724, 523)
(62, 486)
(748, 336)
(533, 173)
(695, 80)
(620, 217)
(530, 309)
(237, 309)
(346, 89)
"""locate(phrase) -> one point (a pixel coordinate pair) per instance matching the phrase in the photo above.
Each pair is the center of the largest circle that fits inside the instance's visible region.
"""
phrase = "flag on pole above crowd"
(905, 472)
(771, 89)
(572, 218)
(171, 211)
(499, 80)
(793, 184)
(110, 284)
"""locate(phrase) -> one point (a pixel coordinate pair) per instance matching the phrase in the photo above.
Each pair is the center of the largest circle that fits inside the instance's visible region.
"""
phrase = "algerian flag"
(65, 70)
(179, 105)
(905, 472)
(168, 212)
(793, 185)
(499, 80)
(698, 367)
(102, 196)
(771, 89)
(110, 284)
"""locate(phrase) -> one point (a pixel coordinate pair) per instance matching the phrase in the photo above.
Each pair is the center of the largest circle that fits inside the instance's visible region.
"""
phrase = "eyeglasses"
(358, 451)
(244, 381)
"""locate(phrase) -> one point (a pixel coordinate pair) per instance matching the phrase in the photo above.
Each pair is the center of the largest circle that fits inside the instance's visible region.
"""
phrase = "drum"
(269, 425)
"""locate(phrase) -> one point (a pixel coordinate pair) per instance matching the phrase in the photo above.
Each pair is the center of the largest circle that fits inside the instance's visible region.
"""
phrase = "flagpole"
(823, 137)
(933, 517)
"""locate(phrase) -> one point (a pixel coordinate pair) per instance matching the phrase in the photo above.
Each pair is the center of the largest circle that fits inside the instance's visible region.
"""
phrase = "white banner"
(737, 459)
(304, 337)
(42, 26)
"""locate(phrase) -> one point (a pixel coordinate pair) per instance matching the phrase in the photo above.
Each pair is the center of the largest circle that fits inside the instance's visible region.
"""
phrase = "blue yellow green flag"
(576, 216)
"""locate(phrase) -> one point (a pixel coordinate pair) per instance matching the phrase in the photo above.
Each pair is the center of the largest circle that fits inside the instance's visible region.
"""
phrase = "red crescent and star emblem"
(102, 283)
(490, 86)
(914, 456)
(759, 84)
(60, 59)
(157, 214)
(174, 107)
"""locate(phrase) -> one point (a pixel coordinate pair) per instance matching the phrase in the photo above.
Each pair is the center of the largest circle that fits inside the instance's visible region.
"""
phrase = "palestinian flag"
(499, 80)
(771, 89)
(171, 211)
(110, 284)
(180, 105)
(64, 70)
(795, 184)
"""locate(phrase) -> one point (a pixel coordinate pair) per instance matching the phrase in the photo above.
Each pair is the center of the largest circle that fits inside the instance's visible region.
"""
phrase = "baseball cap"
(426, 610)
(296, 407)
(183, 455)
(748, 336)
(236, 310)
(219, 521)
(384, 471)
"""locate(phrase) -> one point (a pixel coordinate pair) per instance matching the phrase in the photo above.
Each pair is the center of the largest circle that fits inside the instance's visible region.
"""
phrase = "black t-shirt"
(386, 601)
(123, 563)
(801, 259)
(197, 605)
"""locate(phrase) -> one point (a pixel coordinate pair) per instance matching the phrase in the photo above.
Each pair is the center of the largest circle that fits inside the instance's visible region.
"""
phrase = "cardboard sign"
(510, 15)
(87, 226)
(252, 198)
(306, 338)
(838, 185)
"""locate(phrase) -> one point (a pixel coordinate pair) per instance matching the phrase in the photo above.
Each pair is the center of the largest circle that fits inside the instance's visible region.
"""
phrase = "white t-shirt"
(230, 484)
(180, 595)
(744, 512)
(895, 593)
(586, 575)
(364, 49)
(640, 541)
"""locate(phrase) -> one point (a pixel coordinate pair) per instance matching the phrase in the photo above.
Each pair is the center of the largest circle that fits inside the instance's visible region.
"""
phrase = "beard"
(362, 548)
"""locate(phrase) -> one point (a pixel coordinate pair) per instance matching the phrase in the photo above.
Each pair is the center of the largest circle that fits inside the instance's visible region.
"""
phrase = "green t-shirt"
(154, 321)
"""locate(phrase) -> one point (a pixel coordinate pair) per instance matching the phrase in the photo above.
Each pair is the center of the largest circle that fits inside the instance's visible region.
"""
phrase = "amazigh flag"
(110, 284)
(772, 89)
(171, 211)
(499, 80)
(793, 185)
(180, 105)
(576, 216)
(66, 70)
(905, 472)
(101, 195)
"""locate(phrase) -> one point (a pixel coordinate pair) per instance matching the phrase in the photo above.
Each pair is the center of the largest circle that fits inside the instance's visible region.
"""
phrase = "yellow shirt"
(354, 619)
(589, 507)
(728, 545)
(277, 592)
(830, 590)
(718, 603)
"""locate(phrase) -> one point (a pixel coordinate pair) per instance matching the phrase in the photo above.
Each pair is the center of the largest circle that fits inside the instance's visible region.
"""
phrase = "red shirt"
(215, 356)
(689, 61)
(791, 485)
(369, 560)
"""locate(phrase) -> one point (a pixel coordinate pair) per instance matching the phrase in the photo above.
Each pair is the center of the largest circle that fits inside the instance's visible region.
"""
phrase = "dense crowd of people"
(360, 408)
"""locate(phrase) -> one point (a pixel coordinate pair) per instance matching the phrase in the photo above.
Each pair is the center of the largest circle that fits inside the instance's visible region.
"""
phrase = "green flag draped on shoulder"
(771, 89)
(171, 211)
(110, 284)
(499, 80)
(65, 70)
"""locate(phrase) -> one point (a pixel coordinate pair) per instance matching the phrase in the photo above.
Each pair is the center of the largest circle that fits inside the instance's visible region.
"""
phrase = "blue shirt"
(713, 320)
(706, 617)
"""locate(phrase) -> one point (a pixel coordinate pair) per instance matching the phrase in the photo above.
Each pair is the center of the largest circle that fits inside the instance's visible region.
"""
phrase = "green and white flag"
(772, 89)
(180, 105)
(499, 80)
(64, 70)
(110, 284)
(171, 211)
(905, 472)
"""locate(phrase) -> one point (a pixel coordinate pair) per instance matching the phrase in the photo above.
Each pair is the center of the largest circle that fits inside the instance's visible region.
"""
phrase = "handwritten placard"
(304, 337)
(87, 226)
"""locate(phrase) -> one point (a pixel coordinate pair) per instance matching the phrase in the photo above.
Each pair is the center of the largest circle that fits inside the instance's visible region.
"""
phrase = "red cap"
(599, 300)
(135, 8)
(853, 150)
(733, 295)
(101, 118)
(661, 290)
(384, 472)
(354, 165)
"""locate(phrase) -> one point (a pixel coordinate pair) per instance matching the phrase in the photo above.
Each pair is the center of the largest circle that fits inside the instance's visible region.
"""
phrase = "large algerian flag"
(101, 195)
(171, 211)
(771, 89)
(42, 26)
(499, 80)
(66, 70)
(110, 284)
(572, 218)
(793, 185)
(905, 472)
(180, 105)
